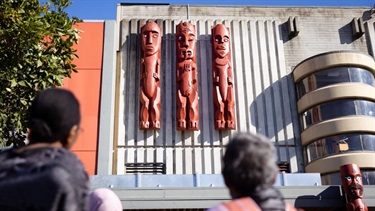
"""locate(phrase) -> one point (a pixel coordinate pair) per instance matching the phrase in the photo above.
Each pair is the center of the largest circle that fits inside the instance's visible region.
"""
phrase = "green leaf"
(23, 101)
(13, 83)
(22, 83)
(39, 63)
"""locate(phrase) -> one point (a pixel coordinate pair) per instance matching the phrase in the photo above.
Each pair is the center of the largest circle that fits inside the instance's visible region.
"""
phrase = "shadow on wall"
(345, 33)
(269, 110)
(331, 199)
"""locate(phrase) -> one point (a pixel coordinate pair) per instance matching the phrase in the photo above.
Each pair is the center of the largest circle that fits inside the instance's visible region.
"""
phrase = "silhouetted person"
(45, 175)
(249, 171)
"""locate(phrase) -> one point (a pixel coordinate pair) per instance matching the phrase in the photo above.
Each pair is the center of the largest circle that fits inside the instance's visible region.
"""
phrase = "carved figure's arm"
(229, 79)
(193, 68)
(215, 76)
(156, 74)
(179, 78)
(143, 74)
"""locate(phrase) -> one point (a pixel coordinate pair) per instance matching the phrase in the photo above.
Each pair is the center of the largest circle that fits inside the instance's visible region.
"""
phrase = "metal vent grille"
(145, 168)
(284, 167)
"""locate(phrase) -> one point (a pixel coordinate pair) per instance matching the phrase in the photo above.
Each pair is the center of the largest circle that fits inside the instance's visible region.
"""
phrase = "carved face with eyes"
(151, 38)
(185, 40)
(351, 179)
(220, 36)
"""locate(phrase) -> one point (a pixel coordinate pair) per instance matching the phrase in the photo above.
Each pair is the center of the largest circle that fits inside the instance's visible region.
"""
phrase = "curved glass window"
(339, 144)
(368, 178)
(334, 75)
(336, 108)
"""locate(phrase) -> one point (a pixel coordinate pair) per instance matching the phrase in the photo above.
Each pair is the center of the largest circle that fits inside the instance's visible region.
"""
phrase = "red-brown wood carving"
(351, 180)
(186, 79)
(223, 93)
(150, 76)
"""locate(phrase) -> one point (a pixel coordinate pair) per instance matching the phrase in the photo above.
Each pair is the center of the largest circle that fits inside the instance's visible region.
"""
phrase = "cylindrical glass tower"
(336, 107)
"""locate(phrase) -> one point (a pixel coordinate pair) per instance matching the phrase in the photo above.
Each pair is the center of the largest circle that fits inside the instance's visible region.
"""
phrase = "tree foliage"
(36, 40)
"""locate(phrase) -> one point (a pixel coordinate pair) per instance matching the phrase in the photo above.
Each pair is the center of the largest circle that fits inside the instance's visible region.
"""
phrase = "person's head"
(249, 161)
(151, 38)
(54, 117)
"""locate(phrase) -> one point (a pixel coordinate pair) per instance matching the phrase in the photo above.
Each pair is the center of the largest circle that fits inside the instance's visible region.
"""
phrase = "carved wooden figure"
(150, 76)
(223, 93)
(186, 79)
(351, 179)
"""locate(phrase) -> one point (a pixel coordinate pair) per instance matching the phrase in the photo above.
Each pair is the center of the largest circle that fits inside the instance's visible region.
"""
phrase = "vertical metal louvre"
(261, 91)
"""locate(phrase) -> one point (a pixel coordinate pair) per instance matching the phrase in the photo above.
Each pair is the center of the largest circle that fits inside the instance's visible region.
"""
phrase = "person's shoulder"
(5, 153)
(70, 162)
(240, 204)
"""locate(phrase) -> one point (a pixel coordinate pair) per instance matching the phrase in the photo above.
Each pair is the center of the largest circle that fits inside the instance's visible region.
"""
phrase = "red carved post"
(223, 93)
(351, 180)
(186, 79)
(149, 114)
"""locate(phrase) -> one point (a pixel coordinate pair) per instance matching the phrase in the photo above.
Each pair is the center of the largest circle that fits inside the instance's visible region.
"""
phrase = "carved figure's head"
(351, 179)
(185, 40)
(221, 40)
(151, 38)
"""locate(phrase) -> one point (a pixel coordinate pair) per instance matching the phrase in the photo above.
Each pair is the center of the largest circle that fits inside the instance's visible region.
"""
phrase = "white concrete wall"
(262, 57)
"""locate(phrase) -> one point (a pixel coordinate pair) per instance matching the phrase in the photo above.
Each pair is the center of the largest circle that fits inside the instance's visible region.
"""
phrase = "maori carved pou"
(186, 80)
(222, 79)
(150, 76)
(351, 179)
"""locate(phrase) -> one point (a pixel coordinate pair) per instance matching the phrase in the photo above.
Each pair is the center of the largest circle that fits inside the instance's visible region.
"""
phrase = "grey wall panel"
(262, 97)
(107, 101)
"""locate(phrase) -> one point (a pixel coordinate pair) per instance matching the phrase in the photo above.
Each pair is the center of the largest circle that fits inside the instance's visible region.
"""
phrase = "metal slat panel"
(259, 71)
(121, 138)
(131, 89)
(237, 63)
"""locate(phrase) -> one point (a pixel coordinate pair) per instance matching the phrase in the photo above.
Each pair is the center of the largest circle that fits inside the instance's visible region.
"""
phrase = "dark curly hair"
(249, 161)
(53, 113)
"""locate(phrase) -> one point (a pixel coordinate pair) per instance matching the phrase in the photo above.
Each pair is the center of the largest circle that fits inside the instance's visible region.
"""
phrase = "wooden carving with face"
(223, 92)
(351, 179)
(150, 76)
(186, 78)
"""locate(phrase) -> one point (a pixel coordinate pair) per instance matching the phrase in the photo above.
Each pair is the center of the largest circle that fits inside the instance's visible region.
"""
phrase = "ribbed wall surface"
(261, 90)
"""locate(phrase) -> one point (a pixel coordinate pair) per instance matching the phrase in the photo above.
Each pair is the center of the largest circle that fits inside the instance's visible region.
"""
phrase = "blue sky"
(106, 9)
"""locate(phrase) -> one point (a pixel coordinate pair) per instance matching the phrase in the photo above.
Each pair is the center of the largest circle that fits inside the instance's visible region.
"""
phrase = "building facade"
(268, 46)
(303, 76)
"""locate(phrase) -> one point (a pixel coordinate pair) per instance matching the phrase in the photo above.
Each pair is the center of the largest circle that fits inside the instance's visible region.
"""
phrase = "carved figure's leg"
(143, 114)
(193, 111)
(155, 110)
(181, 111)
(230, 107)
(219, 109)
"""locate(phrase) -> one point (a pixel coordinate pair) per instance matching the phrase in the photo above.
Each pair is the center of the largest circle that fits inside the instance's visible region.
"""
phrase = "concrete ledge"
(204, 197)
